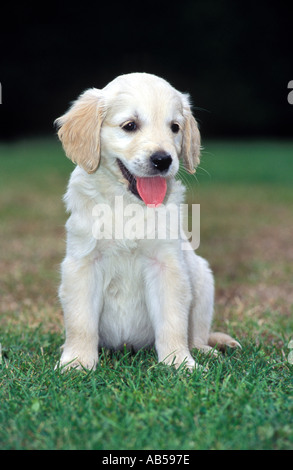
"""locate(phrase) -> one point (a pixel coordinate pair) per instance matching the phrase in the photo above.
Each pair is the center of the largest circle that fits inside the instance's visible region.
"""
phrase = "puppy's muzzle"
(161, 161)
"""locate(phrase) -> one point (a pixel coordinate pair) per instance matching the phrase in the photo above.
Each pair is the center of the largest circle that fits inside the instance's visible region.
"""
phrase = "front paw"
(180, 360)
(77, 361)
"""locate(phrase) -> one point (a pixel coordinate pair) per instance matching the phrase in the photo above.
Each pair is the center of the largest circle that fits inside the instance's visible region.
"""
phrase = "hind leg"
(202, 308)
(221, 341)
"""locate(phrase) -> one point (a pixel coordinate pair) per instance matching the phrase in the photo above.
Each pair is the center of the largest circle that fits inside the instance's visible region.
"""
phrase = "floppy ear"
(80, 128)
(191, 139)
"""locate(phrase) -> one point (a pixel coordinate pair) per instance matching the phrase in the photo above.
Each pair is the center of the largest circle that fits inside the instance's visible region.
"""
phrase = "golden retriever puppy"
(119, 288)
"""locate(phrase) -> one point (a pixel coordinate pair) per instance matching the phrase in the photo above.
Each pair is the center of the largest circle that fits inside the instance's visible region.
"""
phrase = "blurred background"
(234, 58)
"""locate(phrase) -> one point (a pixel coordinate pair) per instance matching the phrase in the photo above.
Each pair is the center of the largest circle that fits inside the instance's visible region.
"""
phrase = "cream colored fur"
(135, 292)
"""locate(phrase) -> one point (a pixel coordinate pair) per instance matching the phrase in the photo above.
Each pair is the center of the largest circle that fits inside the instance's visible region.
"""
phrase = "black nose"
(161, 160)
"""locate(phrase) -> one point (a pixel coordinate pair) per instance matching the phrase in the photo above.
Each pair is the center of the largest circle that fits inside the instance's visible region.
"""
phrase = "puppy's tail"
(221, 341)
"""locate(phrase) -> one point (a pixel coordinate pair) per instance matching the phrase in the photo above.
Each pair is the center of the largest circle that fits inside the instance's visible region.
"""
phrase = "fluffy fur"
(136, 292)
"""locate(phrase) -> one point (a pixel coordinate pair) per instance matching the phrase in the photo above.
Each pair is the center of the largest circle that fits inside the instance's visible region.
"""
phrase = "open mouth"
(129, 177)
(151, 190)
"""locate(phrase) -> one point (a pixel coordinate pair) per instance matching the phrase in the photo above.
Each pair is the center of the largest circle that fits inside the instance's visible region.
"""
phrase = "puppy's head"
(139, 125)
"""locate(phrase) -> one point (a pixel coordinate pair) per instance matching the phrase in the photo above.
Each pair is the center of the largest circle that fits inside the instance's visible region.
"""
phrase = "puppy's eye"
(175, 128)
(129, 126)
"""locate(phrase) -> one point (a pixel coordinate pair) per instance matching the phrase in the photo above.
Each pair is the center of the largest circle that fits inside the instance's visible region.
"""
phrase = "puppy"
(127, 140)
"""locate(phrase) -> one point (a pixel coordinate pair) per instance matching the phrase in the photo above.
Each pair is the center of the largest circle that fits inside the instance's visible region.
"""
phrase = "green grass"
(242, 400)
(249, 162)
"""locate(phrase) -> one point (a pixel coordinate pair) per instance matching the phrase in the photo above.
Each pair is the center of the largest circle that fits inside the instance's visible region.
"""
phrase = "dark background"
(235, 58)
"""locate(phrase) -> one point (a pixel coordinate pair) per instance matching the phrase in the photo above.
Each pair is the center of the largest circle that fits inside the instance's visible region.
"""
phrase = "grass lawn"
(242, 400)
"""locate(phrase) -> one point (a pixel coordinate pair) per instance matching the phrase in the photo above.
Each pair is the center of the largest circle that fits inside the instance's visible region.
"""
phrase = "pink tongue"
(152, 190)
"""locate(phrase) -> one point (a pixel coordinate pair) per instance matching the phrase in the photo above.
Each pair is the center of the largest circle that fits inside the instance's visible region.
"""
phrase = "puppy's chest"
(122, 267)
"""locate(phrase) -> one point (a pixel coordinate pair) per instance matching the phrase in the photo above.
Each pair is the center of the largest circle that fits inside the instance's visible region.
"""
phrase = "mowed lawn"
(241, 400)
